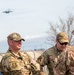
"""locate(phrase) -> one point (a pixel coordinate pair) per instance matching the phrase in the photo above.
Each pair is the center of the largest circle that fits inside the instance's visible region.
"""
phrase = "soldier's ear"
(10, 42)
(56, 40)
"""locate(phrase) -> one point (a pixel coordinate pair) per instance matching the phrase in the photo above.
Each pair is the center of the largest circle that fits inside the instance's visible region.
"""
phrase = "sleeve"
(71, 64)
(42, 60)
(35, 67)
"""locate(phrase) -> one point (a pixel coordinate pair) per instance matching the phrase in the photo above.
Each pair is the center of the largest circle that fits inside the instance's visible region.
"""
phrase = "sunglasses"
(65, 43)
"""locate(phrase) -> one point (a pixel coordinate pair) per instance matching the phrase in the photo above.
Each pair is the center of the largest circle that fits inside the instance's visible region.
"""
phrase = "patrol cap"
(15, 37)
(62, 37)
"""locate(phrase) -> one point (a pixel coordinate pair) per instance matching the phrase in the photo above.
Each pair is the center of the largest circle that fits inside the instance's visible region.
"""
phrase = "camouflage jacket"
(58, 63)
(20, 64)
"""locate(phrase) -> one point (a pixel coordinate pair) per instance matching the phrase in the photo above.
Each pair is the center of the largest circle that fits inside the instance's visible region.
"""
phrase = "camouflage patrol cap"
(62, 37)
(15, 37)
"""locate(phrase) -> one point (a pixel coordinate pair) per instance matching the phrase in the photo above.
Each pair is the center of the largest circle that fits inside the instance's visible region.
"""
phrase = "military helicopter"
(7, 11)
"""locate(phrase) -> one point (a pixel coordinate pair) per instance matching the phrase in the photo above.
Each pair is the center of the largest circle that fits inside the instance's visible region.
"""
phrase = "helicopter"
(7, 11)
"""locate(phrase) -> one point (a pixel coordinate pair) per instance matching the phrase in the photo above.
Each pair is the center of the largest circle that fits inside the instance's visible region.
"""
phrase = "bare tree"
(66, 25)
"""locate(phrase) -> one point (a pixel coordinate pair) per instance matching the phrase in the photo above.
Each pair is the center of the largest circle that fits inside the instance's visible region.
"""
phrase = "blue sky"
(30, 17)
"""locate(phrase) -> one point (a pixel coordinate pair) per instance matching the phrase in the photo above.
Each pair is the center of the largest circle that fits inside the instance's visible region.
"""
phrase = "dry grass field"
(35, 54)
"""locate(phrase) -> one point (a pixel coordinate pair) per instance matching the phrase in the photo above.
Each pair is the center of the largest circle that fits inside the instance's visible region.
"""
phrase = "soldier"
(59, 59)
(16, 61)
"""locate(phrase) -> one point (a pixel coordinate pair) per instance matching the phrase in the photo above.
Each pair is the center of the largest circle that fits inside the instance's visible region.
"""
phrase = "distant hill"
(36, 43)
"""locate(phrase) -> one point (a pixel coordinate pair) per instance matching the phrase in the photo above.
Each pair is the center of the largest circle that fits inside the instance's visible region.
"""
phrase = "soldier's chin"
(63, 49)
(19, 48)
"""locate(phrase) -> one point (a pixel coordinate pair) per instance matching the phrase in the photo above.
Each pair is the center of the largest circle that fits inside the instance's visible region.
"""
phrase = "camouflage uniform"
(16, 61)
(20, 64)
(58, 63)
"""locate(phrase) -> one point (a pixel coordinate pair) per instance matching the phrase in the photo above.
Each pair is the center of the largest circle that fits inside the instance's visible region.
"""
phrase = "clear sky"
(30, 17)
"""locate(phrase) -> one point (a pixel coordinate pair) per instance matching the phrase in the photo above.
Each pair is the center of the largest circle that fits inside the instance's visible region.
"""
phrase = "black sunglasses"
(65, 43)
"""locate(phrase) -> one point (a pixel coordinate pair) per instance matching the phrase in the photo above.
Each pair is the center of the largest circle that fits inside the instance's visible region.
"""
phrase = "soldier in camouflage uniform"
(59, 58)
(16, 61)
